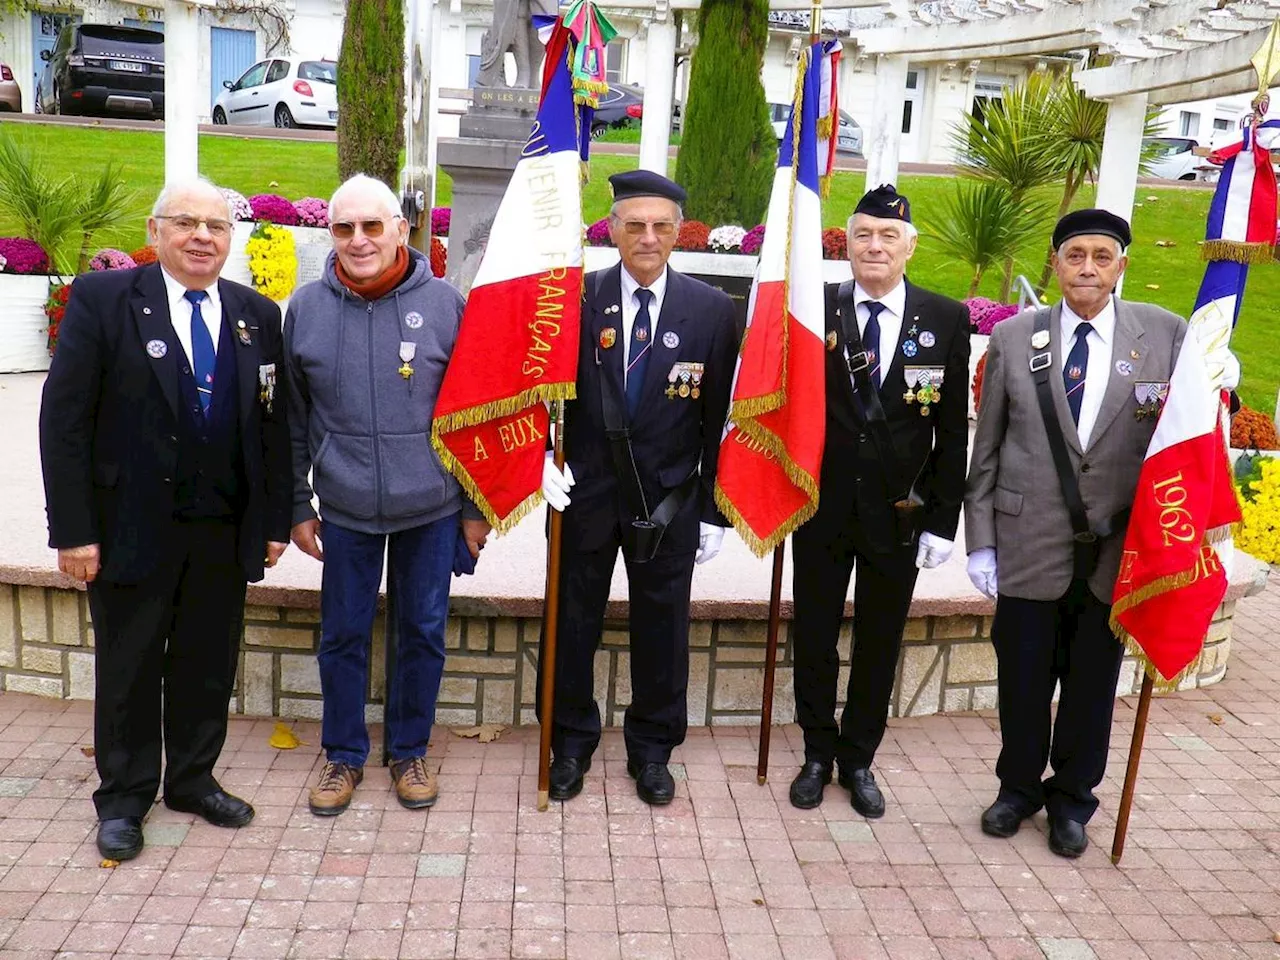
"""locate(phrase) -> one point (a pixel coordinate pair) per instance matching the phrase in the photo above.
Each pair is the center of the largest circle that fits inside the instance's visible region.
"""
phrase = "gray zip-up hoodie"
(354, 419)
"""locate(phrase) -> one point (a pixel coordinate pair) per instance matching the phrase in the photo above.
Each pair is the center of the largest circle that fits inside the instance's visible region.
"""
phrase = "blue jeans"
(421, 564)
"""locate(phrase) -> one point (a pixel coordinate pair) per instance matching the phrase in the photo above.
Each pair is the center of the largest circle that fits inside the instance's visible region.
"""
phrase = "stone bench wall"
(46, 648)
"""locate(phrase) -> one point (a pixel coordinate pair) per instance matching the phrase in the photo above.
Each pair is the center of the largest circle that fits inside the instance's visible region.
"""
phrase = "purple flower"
(984, 314)
(753, 240)
(312, 212)
(111, 259)
(598, 233)
(240, 209)
(441, 217)
(273, 208)
(23, 256)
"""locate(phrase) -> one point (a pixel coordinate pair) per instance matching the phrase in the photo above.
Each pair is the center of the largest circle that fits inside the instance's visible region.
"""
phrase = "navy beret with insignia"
(646, 183)
(1101, 222)
(886, 203)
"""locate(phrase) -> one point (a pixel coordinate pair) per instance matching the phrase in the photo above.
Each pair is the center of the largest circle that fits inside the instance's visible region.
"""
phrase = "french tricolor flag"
(771, 457)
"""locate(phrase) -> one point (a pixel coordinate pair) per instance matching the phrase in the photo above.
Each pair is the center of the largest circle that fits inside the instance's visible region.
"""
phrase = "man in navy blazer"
(655, 371)
(166, 469)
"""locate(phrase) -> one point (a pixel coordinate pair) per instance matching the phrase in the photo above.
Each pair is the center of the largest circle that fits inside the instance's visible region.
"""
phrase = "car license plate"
(128, 67)
(333, 114)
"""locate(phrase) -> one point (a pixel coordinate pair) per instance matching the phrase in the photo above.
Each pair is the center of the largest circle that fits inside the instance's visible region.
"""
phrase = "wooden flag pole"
(1131, 774)
(550, 624)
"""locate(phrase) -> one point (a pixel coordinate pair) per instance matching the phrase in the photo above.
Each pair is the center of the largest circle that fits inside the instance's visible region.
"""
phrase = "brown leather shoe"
(416, 786)
(332, 792)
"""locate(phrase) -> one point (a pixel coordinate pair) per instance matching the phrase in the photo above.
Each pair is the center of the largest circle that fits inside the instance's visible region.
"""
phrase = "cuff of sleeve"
(470, 511)
(303, 512)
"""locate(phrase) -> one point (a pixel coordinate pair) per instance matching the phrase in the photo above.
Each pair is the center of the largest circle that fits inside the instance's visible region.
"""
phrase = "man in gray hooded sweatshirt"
(366, 347)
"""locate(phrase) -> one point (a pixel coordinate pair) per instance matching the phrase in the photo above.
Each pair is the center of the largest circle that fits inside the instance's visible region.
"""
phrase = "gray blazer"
(1013, 500)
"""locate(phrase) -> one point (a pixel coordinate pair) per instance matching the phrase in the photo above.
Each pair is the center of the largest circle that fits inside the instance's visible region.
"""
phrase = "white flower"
(726, 238)
(3, 261)
(240, 208)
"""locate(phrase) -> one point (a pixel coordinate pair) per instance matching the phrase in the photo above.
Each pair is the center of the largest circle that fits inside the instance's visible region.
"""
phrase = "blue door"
(44, 34)
(232, 53)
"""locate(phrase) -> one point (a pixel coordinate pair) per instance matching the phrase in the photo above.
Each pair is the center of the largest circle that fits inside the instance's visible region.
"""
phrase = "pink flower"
(441, 217)
(273, 208)
(110, 259)
(598, 233)
(752, 242)
(312, 212)
(23, 256)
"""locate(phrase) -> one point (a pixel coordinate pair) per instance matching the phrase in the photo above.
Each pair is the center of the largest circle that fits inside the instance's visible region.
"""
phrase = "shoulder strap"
(618, 433)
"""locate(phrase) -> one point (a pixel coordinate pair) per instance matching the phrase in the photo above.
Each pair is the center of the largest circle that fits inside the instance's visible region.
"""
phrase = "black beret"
(1092, 221)
(885, 202)
(646, 183)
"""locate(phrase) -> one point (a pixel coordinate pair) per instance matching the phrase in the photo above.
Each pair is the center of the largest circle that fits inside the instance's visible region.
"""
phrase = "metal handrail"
(1026, 293)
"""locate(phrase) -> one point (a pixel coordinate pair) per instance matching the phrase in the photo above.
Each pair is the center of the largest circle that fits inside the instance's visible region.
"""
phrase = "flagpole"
(775, 586)
(1131, 774)
(550, 626)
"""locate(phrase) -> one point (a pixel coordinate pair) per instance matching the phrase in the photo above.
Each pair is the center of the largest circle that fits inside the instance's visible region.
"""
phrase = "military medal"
(608, 337)
(928, 392)
(912, 376)
(1151, 396)
(672, 377)
(407, 350)
(695, 371)
(831, 340)
(267, 385)
(242, 332)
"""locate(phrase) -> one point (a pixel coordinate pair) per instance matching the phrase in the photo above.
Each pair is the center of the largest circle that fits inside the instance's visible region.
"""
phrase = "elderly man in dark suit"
(890, 490)
(166, 469)
(1060, 443)
(642, 439)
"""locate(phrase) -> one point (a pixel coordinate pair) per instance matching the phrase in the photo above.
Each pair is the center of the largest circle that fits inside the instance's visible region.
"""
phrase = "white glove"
(1230, 372)
(933, 551)
(710, 539)
(556, 485)
(982, 570)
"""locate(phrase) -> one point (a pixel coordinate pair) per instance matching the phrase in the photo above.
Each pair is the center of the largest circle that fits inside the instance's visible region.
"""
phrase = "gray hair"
(613, 210)
(176, 188)
(908, 228)
(385, 196)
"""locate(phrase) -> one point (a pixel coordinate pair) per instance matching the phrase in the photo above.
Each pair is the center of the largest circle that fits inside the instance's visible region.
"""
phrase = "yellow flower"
(273, 260)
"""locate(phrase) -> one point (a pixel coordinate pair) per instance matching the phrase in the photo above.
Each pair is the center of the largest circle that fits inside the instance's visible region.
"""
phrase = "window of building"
(473, 69)
(1221, 123)
(1188, 123)
(913, 78)
(906, 115)
(615, 63)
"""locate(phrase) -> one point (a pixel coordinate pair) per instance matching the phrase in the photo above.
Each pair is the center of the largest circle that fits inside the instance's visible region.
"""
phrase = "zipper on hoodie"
(373, 414)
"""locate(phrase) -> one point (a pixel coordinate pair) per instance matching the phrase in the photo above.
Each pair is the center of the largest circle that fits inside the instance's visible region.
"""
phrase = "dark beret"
(885, 202)
(1092, 221)
(646, 183)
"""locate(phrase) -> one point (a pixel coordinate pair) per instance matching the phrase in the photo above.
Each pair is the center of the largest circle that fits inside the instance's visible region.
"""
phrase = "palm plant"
(983, 224)
(104, 205)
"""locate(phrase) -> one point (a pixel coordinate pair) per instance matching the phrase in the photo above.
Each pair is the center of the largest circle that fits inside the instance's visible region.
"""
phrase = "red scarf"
(380, 285)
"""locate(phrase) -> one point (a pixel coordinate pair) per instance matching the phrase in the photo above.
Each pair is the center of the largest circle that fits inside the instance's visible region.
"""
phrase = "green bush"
(371, 91)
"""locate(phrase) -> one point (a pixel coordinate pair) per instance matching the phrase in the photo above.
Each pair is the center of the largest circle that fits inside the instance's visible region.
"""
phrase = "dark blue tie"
(871, 340)
(203, 355)
(638, 355)
(1074, 370)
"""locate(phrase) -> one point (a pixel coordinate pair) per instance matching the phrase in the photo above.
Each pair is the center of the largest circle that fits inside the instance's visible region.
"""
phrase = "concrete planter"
(24, 338)
(312, 245)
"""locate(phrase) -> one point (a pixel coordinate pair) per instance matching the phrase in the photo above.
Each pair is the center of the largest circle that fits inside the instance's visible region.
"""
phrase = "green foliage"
(103, 205)
(726, 120)
(982, 224)
(371, 91)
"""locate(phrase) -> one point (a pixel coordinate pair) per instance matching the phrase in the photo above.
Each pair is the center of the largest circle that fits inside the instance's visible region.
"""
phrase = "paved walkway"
(728, 870)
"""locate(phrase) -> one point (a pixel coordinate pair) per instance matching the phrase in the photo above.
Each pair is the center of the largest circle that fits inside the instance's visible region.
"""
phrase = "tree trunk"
(1006, 286)
(973, 284)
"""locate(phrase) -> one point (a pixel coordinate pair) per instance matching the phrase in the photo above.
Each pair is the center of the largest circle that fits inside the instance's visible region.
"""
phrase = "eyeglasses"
(638, 228)
(346, 229)
(185, 223)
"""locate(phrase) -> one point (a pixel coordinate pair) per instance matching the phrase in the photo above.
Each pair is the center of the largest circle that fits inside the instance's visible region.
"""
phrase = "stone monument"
(492, 132)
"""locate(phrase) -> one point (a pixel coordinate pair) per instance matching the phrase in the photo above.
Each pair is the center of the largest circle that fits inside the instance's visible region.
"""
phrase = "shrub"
(1252, 430)
(21, 255)
(110, 259)
(273, 208)
(754, 239)
(694, 236)
(371, 91)
(835, 244)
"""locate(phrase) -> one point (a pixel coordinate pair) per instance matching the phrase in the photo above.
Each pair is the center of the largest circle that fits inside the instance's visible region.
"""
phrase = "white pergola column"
(181, 90)
(882, 137)
(659, 73)
(1121, 151)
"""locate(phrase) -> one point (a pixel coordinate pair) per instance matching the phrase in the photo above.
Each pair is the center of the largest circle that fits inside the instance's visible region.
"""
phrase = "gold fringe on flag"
(824, 186)
(825, 125)
(1238, 251)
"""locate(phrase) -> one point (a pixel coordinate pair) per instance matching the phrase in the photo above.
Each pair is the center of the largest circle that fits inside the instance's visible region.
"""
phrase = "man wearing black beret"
(642, 441)
(1070, 398)
(890, 490)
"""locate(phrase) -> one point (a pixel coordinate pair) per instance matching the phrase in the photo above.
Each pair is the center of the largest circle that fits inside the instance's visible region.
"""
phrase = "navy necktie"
(1074, 370)
(638, 355)
(203, 355)
(871, 340)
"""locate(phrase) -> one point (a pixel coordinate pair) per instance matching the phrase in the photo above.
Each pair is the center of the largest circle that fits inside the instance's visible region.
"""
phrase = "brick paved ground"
(728, 870)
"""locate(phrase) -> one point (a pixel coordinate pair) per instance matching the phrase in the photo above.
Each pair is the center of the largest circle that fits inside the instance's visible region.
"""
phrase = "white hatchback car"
(281, 92)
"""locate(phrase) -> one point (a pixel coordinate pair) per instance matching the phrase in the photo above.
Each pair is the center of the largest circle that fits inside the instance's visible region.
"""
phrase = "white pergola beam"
(1243, 81)
(1028, 48)
(1175, 70)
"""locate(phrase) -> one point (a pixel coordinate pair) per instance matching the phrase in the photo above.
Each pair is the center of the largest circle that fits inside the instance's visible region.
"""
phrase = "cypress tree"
(371, 91)
(728, 151)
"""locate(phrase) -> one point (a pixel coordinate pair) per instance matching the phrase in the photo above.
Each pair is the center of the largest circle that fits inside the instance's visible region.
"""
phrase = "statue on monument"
(512, 30)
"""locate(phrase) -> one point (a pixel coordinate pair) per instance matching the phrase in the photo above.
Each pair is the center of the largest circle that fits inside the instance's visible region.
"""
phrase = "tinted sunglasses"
(346, 229)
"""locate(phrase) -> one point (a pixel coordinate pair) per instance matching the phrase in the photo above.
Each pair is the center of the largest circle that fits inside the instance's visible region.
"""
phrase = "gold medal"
(671, 392)
(684, 390)
(408, 349)
(406, 371)
(695, 393)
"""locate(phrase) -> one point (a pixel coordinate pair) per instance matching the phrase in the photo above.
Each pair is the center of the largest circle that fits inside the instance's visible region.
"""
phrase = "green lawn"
(310, 169)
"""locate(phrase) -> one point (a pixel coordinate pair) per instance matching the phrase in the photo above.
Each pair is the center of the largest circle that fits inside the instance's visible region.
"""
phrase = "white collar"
(176, 291)
(630, 285)
(895, 301)
(1104, 324)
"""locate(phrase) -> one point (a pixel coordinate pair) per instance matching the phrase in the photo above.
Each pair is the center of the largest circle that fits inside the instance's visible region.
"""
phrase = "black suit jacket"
(671, 437)
(109, 423)
(854, 487)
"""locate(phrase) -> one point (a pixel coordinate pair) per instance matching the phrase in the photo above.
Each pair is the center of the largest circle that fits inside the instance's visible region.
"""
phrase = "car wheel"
(219, 116)
(598, 130)
(284, 119)
(35, 104)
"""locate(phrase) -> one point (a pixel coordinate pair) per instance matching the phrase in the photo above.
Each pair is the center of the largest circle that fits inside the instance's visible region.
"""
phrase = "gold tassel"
(1237, 251)
(824, 186)
(825, 125)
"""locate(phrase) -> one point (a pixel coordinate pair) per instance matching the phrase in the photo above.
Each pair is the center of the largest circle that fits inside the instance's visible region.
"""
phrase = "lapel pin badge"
(671, 339)
(146, 311)
(1040, 339)
(832, 340)
(156, 349)
(242, 332)
(608, 337)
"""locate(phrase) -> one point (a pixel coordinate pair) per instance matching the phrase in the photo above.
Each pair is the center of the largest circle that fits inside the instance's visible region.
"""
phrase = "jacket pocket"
(106, 475)
(343, 475)
(413, 479)
(1007, 501)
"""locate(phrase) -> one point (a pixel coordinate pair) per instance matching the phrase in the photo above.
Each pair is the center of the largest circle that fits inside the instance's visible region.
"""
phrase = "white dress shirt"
(180, 313)
(895, 306)
(1098, 371)
(631, 306)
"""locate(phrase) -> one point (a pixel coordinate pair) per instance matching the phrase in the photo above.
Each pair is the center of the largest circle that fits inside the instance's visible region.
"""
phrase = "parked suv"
(98, 69)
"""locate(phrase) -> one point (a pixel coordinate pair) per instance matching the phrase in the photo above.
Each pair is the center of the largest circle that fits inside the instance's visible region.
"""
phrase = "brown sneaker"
(416, 786)
(332, 793)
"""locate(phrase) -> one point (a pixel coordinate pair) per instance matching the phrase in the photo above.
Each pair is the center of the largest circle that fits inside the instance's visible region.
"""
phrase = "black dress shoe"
(120, 838)
(566, 777)
(219, 808)
(863, 792)
(1067, 837)
(1003, 818)
(806, 788)
(654, 783)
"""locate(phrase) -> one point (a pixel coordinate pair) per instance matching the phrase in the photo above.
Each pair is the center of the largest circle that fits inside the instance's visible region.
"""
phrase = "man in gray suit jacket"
(1067, 412)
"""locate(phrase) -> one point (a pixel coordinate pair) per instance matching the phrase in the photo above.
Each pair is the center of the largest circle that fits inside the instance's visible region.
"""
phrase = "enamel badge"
(832, 340)
(1040, 339)
(156, 349)
(608, 337)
